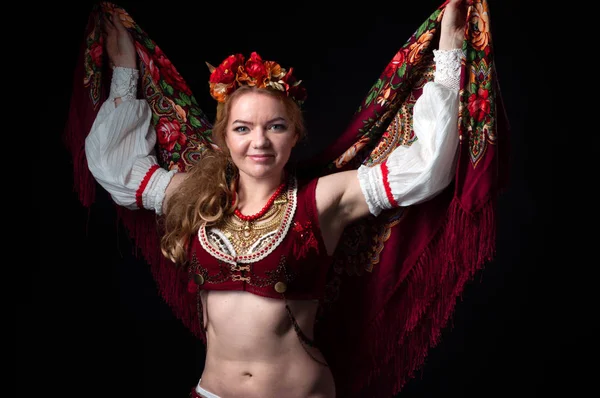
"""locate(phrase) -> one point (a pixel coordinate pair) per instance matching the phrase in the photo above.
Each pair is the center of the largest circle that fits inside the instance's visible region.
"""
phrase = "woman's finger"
(106, 24)
(116, 20)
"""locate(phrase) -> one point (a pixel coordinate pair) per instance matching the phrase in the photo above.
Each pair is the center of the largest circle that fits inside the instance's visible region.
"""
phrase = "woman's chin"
(260, 172)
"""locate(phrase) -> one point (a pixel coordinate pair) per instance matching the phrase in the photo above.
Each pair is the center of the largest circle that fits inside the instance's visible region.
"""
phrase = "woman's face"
(259, 135)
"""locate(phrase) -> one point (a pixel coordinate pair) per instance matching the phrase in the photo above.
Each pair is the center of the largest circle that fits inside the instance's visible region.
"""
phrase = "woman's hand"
(453, 25)
(119, 43)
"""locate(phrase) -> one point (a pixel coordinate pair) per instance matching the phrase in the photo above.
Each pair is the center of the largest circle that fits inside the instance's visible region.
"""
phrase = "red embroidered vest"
(292, 262)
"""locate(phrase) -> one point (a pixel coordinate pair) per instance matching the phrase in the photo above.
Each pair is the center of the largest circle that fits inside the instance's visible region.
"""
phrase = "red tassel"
(172, 281)
(423, 302)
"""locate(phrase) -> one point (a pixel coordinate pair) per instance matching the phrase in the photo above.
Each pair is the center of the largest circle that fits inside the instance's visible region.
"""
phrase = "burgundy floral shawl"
(396, 277)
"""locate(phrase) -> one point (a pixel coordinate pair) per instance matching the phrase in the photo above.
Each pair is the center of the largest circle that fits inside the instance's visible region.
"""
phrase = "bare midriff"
(254, 351)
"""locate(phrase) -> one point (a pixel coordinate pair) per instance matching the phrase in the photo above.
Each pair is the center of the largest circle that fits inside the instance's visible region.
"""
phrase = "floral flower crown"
(235, 71)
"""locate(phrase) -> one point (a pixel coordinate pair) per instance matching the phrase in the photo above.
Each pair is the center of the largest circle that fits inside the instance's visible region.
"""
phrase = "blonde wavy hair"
(205, 195)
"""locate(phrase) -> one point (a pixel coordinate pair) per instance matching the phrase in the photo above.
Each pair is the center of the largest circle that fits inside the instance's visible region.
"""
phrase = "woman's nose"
(261, 140)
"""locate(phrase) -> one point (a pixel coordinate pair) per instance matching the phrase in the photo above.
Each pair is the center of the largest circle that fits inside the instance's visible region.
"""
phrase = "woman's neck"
(252, 193)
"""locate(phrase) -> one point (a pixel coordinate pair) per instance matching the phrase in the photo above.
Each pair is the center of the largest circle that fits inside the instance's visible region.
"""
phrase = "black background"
(92, 324)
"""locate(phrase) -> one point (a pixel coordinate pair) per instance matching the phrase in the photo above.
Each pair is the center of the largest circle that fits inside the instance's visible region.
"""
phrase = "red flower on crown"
(236, 71)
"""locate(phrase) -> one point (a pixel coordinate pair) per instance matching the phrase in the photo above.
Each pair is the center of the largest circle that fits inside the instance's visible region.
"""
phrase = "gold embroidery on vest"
(244, 235)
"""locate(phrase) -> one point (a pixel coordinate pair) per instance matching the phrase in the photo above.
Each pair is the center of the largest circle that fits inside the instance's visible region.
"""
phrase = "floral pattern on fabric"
(183, 130)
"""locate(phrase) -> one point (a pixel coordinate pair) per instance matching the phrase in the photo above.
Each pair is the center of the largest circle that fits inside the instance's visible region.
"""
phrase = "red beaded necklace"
(265, 208)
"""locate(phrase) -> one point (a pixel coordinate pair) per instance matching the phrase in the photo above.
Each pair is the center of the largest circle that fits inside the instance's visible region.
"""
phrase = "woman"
(256, 240)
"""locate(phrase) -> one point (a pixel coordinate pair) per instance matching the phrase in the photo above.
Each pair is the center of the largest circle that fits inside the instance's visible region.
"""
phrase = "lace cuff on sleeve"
(124, 83)
(447, 67)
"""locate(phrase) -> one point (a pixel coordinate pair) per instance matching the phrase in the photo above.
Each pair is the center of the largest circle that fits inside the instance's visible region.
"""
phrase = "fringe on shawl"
(402, 334)
(171, 281)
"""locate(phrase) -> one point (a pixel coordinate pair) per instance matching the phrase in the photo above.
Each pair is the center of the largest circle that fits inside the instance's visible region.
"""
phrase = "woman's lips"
(261, 158)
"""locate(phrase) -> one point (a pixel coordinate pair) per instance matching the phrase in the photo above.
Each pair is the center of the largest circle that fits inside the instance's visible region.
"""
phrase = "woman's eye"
(241, 129)
(279, 127)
